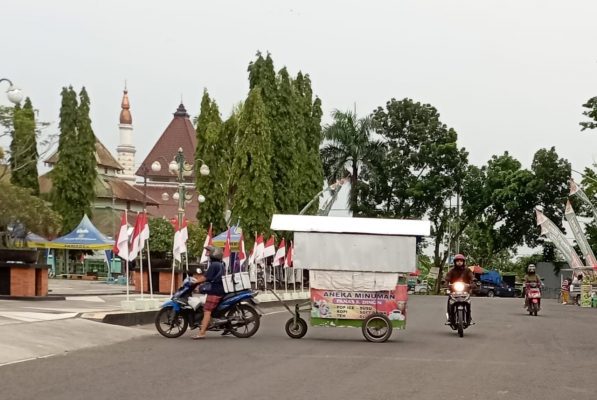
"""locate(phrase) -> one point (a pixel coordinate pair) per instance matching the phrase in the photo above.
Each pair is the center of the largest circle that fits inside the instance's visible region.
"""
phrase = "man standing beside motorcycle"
(212, 285)
(459, 273)
(530, 277)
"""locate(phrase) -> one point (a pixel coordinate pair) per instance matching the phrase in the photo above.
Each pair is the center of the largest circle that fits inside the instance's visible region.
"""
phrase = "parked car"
(418, 287)
(492, 290)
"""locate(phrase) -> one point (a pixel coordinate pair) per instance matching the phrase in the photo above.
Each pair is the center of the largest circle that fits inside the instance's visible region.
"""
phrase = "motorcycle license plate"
(535, 301)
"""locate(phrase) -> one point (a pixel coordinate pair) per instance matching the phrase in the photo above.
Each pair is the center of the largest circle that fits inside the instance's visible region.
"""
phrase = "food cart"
(357, 271)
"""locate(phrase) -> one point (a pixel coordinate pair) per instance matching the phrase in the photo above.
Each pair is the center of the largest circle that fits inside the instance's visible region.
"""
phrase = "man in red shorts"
(214, 289)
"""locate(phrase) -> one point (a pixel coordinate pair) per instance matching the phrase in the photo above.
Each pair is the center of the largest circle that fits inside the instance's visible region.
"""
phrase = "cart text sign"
(337, 304)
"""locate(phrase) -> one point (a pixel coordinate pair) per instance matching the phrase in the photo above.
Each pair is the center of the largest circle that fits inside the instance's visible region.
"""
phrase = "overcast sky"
(507, 75)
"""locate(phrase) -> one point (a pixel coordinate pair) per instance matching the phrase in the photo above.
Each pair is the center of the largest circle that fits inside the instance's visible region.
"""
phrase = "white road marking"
(35, 317)
(93, 299)
(26, 359)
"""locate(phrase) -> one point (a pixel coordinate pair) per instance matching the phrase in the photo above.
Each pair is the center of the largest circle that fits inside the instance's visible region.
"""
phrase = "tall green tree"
(254, 198)
(73, 177)
(286, 159)
(425, 167)
(591, 113)
(228, 143)
(210, 149)
(24, 155)
(86, 155)
(500, 199)
(348, 148)
(308, 126)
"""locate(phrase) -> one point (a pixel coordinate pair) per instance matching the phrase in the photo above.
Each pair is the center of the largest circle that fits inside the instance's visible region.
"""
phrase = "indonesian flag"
(177, 243)
(184, 236)
(258, 249)
(121, 244)
(136, 240)
(226, 258)
(280, 254)
(144, 231)
(270, 247)
(289, 256)
(242, 254)
(208, 242)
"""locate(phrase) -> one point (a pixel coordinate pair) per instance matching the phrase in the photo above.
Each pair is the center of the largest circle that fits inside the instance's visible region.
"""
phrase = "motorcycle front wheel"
(460, 322)
(244, 320)
(169, 324)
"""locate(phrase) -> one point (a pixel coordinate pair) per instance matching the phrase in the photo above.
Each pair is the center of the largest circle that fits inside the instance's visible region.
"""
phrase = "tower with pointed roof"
(180, 133)
(126, 149)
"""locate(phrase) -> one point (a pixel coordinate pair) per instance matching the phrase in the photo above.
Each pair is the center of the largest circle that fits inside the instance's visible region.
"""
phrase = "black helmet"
(215, 253)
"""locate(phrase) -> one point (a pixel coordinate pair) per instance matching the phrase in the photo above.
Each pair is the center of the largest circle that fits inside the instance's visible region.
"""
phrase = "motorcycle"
(533, 298)
(459, 305)
(237, 313)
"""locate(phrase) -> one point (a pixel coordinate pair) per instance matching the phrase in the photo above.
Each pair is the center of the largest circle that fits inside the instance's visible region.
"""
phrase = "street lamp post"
(14, 94)
(181, 168)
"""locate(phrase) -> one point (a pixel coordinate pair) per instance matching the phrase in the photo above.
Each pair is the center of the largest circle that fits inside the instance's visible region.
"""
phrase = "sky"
(507, 75)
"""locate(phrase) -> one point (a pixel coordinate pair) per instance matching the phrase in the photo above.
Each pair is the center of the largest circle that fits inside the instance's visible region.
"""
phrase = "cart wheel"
(296, 330)
(377, 328)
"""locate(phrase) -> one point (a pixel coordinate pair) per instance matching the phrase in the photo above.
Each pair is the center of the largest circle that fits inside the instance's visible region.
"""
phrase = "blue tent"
(492, 277)
(84, 237)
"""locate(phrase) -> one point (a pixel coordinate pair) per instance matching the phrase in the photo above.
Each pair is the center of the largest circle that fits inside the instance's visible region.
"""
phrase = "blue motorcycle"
(237, 313)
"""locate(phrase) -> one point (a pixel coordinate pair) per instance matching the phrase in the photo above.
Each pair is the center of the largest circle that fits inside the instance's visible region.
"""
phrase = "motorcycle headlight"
(459, 286)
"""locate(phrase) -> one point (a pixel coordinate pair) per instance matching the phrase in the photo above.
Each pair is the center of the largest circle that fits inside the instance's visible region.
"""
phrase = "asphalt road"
(507, 355)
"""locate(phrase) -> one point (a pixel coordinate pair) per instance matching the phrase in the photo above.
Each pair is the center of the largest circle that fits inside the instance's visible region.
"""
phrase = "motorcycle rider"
(215, 289)
(531, 276)
(459, 272)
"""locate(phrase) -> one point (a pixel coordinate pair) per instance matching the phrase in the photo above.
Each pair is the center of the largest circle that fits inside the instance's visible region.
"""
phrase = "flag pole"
(149, 272)
(141, 277)
(172, 282)
(126, 259)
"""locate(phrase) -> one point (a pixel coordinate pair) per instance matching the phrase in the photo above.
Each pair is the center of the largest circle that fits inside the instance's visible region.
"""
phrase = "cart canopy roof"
(353, 244)
(372, 226)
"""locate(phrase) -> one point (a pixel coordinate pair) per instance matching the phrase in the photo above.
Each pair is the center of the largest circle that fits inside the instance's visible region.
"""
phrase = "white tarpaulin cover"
(350, 252)
(353, 281)
(375, 226)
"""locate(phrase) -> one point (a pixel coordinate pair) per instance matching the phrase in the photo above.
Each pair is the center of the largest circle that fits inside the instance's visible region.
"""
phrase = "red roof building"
(180, 133)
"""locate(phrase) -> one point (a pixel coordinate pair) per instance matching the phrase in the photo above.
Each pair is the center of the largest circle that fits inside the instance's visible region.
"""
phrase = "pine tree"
(24, 155)
(86, 154)
(286, 159)
(209, 150)
(228, 143)
(253, 200)
(74, 175)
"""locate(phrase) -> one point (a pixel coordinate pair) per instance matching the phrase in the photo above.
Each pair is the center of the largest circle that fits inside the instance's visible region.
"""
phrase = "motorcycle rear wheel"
(167, 326)
(248, 315)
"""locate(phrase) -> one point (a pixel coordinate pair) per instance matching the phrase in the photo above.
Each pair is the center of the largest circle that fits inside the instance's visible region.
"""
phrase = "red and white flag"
(208, 242)
(257, 250)
(177, 243)
(184, 236)
(136, 240)
(121, 244)
(280, 254)
(289, 256)
(270, 248)
(144, 231)
(226, 256)
(242, 253)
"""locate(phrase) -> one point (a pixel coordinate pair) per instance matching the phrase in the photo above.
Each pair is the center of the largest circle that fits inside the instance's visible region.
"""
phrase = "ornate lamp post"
(14, 94)
(181, 168)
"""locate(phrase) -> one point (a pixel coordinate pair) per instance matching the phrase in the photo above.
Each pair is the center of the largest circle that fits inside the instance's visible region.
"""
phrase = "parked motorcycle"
(533, 298)
(237, 313)
(459, 305)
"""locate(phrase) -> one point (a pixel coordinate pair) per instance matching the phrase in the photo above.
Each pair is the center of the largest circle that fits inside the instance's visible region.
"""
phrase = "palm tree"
(348, 149)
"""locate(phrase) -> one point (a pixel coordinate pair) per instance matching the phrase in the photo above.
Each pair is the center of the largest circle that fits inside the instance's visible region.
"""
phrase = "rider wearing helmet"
(214, 289)
(459, 272)
(531, 277)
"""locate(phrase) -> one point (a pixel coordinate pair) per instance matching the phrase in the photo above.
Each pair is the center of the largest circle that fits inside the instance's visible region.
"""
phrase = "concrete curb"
(124, 318)
(33, 298)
